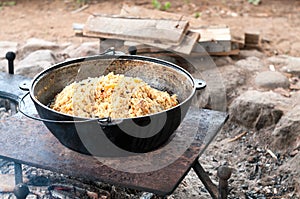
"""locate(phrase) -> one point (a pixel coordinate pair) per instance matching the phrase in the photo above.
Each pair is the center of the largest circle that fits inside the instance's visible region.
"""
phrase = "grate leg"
(18, 173)
(21, 190)
(209, 185)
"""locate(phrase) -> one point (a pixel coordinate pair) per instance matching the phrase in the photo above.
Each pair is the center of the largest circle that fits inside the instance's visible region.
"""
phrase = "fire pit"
(39, 148)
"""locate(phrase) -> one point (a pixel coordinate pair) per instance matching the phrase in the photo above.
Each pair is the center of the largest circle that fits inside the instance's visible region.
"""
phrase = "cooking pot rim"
(36, 79)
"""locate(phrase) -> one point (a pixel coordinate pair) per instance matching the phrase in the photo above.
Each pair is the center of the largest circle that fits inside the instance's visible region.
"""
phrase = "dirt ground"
(278, 21)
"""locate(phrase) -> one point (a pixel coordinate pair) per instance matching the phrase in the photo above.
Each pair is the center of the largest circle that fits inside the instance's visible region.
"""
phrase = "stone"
(278, 60)
(271, 80)
(288, 64)
(295, 98)
(292, 167)
(233, 78)
(35, 62)
(31, 71)
(38, 56)
(287, 130)
(257, 110)
(251, 53)
(252, 159)
(293, 66)
(222, 61)
(3, 65)
(6, 46)
(82, 50)
(252, 64)
(34, 44)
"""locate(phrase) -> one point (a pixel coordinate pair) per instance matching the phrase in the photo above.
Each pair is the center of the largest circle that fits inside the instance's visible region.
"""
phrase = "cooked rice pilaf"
(115, 96)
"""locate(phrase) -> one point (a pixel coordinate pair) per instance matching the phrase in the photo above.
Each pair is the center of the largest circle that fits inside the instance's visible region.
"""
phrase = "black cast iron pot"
(106, 136)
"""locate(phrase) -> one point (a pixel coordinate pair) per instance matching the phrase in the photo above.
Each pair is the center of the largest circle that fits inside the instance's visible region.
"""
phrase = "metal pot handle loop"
(199, 84)
(24, 86)
(22, 102)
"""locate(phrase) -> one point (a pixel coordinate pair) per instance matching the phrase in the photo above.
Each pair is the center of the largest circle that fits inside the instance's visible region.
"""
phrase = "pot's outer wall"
(157, 73)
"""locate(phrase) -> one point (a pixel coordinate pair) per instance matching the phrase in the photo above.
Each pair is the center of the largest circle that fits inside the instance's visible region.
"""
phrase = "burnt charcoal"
(245, 186)
(39, 181)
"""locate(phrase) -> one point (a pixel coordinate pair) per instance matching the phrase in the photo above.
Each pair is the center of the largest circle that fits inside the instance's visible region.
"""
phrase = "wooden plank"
(213, 39)
(252, 38)
(186, 46)
(213, 46)
(213, 33)
(78, 29)
(133, 29)
(231, 52)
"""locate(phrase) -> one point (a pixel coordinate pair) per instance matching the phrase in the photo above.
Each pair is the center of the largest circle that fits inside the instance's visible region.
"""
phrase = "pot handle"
(199, 84)
(24, 86)
(112, 51)
(104, 120)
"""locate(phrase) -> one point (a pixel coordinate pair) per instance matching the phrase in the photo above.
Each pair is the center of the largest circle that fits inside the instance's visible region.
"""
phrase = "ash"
(44, 184)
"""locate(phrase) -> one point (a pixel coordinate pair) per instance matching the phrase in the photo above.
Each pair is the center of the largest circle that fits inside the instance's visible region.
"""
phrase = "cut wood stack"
(154, 30)
(136, 29)
(216, 40)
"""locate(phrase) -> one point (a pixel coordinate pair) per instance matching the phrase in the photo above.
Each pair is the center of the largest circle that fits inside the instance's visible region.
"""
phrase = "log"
(134, 29)
(252, 38)
(186, 46)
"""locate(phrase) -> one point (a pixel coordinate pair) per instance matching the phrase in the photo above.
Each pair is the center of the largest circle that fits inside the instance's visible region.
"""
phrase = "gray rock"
(271, 80)
(214, 94)
(292, 167)
(252, 64)
(254, 109)
(35, 62)
(295, 98)
(222, 61)
(35, 44)
(83, 50)
(251, 53)
(3, 65)
(288, 64)
(38, 56)
(287, 130)
(278, 60)
(6, 46)
(31, 71)
(293, 66)
(233, 78)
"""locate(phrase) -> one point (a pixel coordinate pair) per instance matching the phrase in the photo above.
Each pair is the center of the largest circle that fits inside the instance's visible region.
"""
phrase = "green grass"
(254, 2)
(82, 2)
(157, 5)
(197, 15)
(8, 3)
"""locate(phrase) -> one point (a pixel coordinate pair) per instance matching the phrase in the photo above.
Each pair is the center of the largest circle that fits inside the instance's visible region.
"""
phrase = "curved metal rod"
(100, 120)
